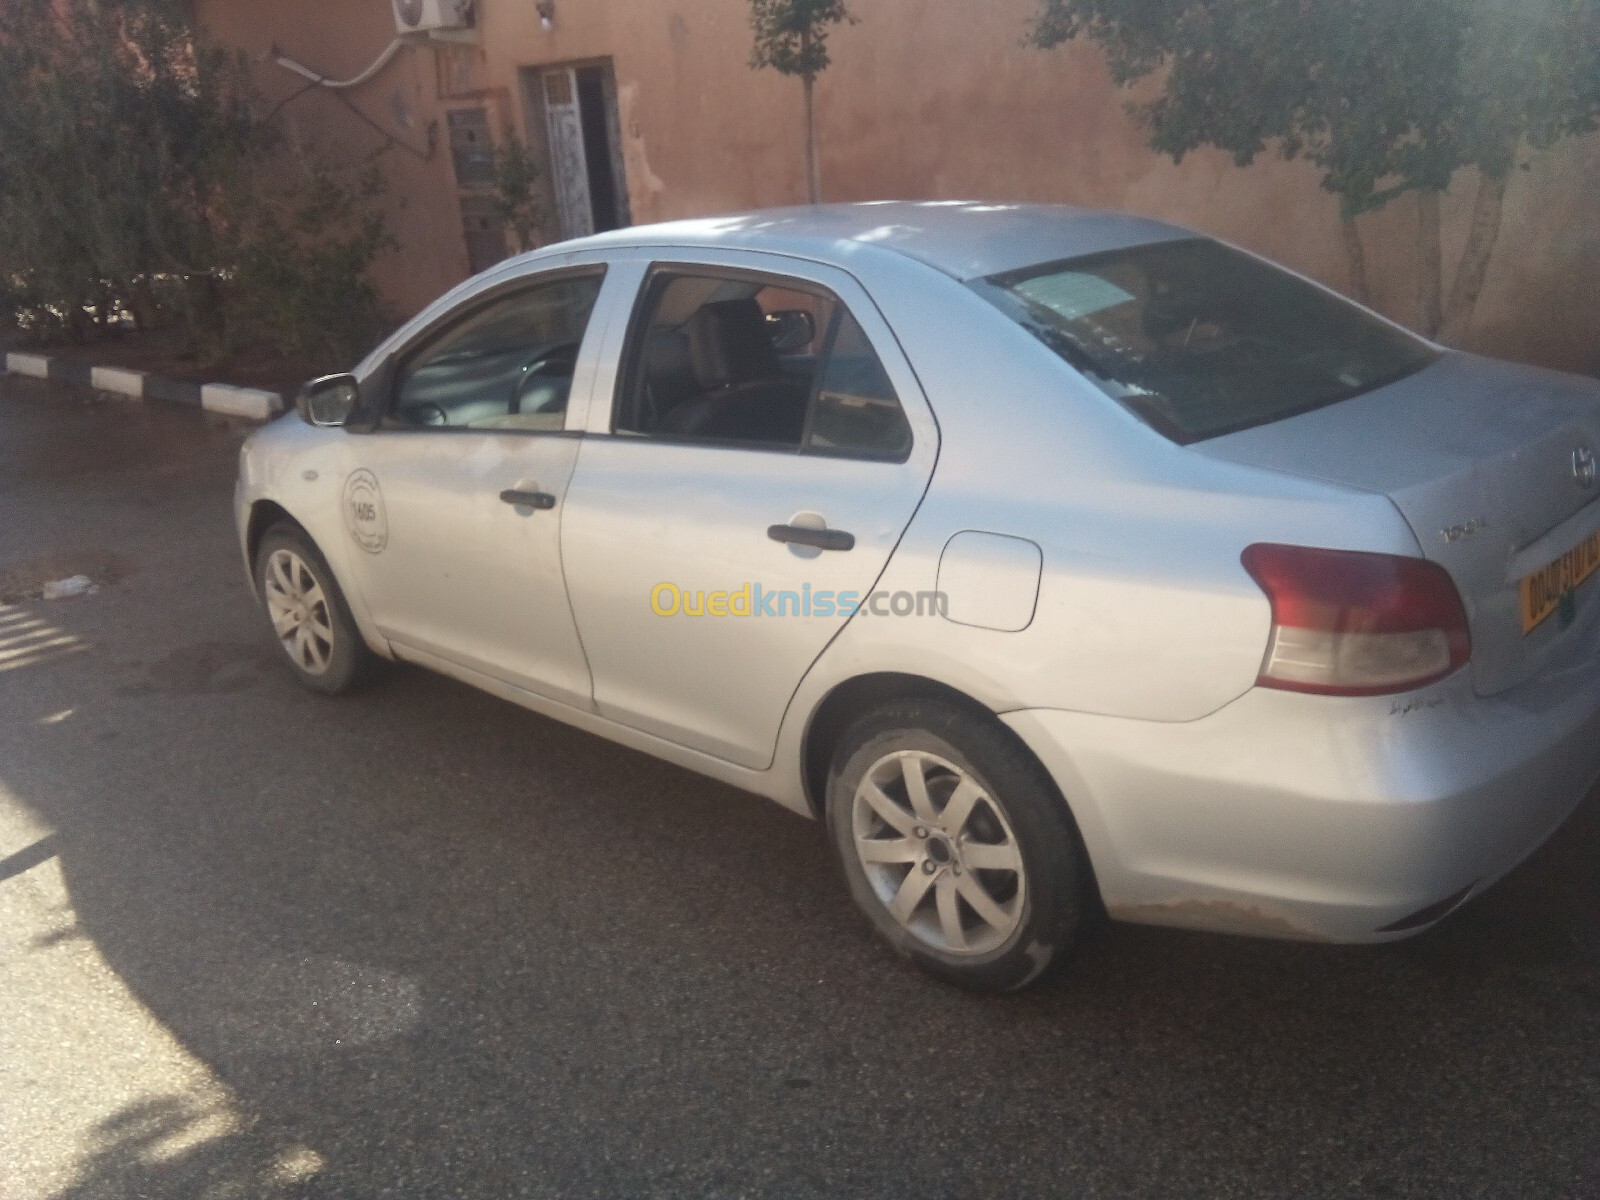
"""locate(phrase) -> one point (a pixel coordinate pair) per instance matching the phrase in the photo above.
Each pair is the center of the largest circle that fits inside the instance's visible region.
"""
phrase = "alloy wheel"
(939, 853)
(299, 611)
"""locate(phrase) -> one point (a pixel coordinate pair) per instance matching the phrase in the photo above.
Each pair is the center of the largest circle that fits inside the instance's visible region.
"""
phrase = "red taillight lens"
(1346, 623)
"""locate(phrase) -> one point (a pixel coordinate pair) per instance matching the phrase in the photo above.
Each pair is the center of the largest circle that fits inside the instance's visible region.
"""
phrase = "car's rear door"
(686, 483)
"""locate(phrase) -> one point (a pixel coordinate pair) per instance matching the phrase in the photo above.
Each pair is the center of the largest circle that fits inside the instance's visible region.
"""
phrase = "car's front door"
(765, 450)
(456, 499)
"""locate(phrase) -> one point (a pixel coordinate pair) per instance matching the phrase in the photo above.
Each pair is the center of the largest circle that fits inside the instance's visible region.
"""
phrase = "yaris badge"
(1583, 466)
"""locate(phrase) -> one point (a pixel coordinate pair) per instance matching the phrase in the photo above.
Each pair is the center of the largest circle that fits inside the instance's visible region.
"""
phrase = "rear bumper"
(1323, 819)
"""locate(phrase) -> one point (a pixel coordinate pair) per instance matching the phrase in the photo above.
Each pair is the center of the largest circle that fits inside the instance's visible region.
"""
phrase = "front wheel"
(956, 845)
(309, 615)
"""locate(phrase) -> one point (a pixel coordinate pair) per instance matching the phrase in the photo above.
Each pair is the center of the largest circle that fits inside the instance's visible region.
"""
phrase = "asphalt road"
(421, 943)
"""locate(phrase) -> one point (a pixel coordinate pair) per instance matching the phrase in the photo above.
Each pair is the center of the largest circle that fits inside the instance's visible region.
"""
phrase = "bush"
(301, 274)
(516, 197)
(139, 187)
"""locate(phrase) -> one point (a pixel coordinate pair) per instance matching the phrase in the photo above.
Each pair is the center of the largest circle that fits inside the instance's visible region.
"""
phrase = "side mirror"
(329, 401)
(792, 329)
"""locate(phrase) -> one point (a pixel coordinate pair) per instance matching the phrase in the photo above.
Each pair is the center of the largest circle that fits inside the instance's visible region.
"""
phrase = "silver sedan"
(1062, 563)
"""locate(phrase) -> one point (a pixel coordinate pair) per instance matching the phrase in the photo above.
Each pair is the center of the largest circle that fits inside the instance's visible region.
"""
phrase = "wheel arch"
(850, 698)
(855, 696)
(264, 514)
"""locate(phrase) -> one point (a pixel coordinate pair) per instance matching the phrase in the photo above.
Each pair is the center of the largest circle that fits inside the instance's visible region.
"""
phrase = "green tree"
(118, 139)
(298, 279)
(516, 196)
(791, 37)
(139, 185)
(1385, 97)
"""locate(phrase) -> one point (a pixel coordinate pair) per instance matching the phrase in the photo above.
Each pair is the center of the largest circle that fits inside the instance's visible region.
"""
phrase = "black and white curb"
(252, 404)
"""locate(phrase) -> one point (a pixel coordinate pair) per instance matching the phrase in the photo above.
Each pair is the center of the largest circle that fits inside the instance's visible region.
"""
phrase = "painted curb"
(240, 402)
(36, 365)
(251, 404)
(117, 379)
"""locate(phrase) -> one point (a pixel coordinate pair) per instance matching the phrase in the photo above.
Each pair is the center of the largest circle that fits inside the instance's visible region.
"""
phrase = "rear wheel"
(308, 613)
(956, 845)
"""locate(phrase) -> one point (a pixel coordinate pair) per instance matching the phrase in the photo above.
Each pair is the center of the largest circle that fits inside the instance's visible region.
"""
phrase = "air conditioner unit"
(427, 16)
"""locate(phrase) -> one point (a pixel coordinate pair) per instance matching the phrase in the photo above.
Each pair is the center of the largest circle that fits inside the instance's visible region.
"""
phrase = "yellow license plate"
(1543, 591)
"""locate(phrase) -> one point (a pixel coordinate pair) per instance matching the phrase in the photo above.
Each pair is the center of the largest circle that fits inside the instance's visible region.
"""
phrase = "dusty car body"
(1309, 648)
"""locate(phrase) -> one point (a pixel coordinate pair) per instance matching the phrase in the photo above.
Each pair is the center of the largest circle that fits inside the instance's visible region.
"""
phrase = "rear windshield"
(1200, 340)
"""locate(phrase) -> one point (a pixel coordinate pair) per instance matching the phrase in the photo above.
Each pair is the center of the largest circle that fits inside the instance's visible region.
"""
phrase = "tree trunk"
(813, 170)
(141, 302)
(1357, 258)
(80, 325)
(1486, 214)
(1430, 264)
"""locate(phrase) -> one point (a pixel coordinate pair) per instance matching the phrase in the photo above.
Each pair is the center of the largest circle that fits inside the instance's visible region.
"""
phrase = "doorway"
(576, 105)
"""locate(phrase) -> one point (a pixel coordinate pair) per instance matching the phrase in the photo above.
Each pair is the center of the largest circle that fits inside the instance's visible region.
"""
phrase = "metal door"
(459, 525)
(455, 571)
(569, 164)
(641, 513)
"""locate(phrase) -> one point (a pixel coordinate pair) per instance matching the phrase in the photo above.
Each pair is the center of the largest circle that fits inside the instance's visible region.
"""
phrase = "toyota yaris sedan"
(1059, 562)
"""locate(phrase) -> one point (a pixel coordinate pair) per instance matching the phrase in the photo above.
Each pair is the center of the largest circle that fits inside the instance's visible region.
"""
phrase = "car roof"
(963, 238)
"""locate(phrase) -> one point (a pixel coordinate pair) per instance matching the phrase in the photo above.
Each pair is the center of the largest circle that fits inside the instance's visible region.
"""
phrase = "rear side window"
(856, 411)
(1200, 340)
(760, 362)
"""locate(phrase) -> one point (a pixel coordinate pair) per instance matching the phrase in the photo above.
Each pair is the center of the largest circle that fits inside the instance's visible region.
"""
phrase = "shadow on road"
(438, 946)
(173, 1148)
(454, 948)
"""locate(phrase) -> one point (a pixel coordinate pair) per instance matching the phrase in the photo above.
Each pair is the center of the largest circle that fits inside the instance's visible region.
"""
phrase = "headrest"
(729, 344)
(666, 356)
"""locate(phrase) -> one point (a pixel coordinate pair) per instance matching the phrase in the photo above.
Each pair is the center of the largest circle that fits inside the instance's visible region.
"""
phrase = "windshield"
(1199, 340)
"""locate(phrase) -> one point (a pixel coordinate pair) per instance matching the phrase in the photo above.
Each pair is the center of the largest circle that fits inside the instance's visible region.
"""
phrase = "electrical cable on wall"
(338, 86)
(384, 59)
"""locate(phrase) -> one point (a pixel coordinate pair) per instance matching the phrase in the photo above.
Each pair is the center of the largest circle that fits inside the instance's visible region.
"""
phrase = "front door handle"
(821, 539)
(528, 499)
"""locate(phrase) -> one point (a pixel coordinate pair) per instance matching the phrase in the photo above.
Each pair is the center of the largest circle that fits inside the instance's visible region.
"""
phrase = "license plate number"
(1546, 588)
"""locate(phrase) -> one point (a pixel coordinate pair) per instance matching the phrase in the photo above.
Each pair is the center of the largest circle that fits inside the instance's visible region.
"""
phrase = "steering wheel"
(559, 360)
(427, 413)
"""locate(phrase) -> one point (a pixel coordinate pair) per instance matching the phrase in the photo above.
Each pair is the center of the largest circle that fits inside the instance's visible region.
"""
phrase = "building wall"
(926, 99)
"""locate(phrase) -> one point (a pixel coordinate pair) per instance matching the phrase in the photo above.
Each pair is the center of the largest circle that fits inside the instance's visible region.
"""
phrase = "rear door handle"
(528, 499)
(821, 539)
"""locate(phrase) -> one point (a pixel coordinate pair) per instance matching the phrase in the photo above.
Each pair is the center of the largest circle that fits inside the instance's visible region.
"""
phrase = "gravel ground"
(255, 942)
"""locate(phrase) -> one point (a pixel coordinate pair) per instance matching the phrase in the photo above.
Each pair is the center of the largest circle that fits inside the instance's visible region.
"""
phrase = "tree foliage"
(138, 185)
(299, 278)
(1384, 97)
(791, 37)
(517, 199)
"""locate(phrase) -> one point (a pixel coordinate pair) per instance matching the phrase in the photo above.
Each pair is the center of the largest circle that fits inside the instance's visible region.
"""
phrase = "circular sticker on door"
(364, 513)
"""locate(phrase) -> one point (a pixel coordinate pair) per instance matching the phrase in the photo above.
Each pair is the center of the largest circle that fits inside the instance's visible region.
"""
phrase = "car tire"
(979, 876)
(309, 616)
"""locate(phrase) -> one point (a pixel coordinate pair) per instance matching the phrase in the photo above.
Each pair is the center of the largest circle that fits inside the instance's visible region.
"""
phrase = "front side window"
(757, 362)
(1200, 340)
(508, 365)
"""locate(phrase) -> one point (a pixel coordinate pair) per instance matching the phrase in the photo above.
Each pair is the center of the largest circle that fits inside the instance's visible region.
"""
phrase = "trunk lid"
(1484, 459)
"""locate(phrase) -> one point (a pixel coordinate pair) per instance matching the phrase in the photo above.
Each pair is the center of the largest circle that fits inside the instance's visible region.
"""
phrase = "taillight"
(1346, 623)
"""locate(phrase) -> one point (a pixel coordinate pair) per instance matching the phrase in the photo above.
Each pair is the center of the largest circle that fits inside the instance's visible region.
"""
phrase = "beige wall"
(926, 99)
